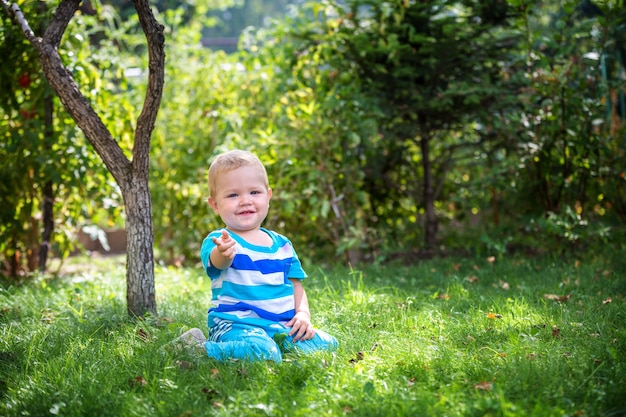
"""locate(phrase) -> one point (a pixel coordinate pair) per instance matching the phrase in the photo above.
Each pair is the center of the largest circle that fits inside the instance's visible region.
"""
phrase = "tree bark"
(132, 177)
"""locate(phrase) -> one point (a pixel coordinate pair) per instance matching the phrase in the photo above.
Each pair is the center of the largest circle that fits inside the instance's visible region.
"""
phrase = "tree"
(130, 175)
(433, 67)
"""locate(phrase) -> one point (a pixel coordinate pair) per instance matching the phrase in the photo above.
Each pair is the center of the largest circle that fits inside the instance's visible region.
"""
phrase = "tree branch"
(156, 76)
(17, 17)
(60, 19)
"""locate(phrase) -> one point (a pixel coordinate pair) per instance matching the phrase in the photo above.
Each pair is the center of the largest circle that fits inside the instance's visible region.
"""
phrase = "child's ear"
(212, 203)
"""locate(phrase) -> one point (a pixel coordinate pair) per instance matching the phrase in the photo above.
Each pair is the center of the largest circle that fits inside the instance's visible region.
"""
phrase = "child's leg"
(321, 341)
(237, 341)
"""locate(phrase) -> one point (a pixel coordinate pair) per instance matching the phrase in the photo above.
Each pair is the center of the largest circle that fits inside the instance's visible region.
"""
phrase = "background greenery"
(391, 130)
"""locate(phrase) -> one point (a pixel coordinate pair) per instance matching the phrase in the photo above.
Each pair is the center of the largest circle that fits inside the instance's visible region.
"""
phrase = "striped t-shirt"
(256, 285)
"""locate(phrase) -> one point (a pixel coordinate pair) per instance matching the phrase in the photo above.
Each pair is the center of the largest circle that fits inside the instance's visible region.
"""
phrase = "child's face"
(241, 198)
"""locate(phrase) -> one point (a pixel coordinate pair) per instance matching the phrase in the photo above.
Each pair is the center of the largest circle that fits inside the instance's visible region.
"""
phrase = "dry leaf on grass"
(484, 385)
(559, 298)
(359, 357)
(138, 381)
(143, 335)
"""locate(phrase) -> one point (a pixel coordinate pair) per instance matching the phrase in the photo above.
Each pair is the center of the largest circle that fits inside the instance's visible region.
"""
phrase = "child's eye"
(255, 192)
(231, 195)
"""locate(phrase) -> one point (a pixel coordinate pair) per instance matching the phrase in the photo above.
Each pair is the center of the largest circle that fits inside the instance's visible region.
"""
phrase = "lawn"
(448, 337)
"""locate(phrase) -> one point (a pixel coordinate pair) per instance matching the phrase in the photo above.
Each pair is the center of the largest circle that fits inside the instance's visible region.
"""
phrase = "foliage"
(526, 148)
(566, 133)
(396, 80)
(501, 337)
(347, 169)
(245, 109)
(33, 157)
(319, 124)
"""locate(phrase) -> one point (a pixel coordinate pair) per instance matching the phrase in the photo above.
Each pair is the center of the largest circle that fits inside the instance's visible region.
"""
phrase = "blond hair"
(230, 160)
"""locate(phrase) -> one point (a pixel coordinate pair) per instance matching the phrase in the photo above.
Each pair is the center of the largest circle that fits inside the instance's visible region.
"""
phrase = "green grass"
(443, 338)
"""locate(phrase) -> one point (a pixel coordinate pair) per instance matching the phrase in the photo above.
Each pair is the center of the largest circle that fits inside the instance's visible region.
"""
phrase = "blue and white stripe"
(257, 284)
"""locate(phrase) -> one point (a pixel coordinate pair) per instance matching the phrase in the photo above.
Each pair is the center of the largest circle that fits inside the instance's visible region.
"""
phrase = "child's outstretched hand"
(224, 249)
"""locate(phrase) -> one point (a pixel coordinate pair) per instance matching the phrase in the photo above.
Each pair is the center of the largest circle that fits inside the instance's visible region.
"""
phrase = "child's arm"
(224, 251)
(301, 328)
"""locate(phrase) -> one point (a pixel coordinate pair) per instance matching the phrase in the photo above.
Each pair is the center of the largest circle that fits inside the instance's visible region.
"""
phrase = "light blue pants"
(255, 343)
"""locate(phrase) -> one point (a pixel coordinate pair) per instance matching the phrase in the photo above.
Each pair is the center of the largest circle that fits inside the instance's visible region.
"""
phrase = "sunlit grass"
(447, 337)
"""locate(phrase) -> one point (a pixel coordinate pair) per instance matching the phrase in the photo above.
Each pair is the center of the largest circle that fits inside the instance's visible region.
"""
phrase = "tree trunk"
(430, 222)
(132, 177)
(140, 294)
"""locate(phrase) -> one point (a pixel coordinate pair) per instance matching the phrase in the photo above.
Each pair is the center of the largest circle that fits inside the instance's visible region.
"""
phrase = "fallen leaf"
(138, 381)
(559, 298)
(491, 259)
(505, 285)
(607, 301)
(484, 385)
(444, 296)
(473, 279)
(493, 316)
(359, 357)
(185, 365)
(142, 335)
(210, 393)
(556, 332)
